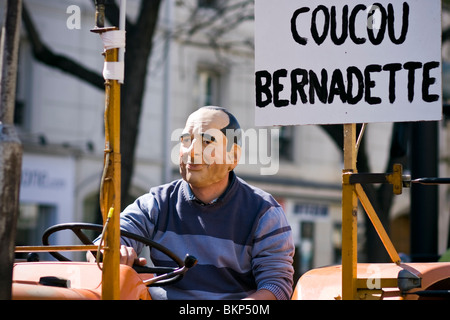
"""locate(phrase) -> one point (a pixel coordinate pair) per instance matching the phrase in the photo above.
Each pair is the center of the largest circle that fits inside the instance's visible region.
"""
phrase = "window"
(287, 143)
(19, 113)
(33, 220)
(208, 4)
(306, 246)
(208, 82)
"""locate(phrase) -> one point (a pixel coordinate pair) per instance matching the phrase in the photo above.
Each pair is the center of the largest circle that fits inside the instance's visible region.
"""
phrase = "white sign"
(332, 62)
(49, 180)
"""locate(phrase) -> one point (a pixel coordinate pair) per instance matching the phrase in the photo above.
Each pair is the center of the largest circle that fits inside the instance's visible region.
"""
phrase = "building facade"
(60, 120)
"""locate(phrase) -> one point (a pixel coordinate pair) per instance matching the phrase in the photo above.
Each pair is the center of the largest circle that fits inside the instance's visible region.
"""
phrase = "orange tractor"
(66, 279)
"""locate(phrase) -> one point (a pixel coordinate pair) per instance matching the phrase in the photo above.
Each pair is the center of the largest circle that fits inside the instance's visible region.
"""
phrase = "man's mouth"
(193, 166)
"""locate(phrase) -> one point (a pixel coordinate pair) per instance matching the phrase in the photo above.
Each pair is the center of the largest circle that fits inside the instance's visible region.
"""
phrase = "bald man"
(238, 233)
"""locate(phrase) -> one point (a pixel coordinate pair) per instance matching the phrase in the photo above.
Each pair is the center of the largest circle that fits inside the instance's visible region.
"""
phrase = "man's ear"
(233, 156)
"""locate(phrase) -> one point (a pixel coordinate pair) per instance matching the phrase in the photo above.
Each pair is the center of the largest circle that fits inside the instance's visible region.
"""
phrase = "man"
(238, 233)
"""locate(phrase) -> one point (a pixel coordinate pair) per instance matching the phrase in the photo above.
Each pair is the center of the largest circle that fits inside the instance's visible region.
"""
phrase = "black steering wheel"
(77, 228)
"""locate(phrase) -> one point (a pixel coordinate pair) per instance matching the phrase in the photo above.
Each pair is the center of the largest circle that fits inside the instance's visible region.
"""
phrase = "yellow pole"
(377, 224)
(111, 185)
(349, 216)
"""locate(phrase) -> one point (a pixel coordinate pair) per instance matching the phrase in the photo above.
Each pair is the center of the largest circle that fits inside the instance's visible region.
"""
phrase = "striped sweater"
(242, 240)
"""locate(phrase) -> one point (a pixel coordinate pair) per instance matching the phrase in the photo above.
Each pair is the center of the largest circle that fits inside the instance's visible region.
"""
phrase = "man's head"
(210, 146)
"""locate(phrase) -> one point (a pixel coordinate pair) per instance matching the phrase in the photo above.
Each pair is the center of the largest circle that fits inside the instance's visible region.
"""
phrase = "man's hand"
(129, 257)
(262, 294)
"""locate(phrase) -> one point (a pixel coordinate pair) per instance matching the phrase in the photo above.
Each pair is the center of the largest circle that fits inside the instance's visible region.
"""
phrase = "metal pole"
(122, 23)
(111, 179)
(349, 216)
(167, 110)
(111, 199)
(100, 13)
(10, 145)
(424, 199)
(379, 228)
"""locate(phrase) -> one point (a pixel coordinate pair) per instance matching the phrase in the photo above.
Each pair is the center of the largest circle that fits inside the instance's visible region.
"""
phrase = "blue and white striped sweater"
(242, 241)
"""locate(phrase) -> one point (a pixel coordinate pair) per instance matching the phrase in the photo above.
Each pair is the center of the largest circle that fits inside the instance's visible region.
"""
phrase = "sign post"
(113, 72)
(349, 215)
(324, 62)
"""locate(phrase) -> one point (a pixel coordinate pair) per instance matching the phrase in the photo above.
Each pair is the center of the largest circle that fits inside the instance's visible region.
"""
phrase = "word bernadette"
(351, 84)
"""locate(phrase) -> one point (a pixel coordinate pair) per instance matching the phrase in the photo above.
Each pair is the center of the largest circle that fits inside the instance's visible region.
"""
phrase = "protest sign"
(330, 62)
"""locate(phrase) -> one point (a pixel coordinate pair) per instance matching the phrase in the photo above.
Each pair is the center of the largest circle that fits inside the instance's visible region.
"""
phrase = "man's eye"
(186, 141)
(208, 139)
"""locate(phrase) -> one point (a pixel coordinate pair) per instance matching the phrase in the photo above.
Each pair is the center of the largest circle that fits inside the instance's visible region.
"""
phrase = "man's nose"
(195, 150)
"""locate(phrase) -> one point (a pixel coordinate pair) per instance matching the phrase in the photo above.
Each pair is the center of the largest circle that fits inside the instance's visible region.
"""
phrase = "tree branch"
(43, 54)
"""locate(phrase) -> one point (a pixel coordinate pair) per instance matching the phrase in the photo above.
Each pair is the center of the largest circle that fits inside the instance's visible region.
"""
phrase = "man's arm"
(273, 251)
(137, 218)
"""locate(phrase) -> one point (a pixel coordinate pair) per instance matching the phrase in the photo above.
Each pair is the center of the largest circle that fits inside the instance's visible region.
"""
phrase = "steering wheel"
(77, 228)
